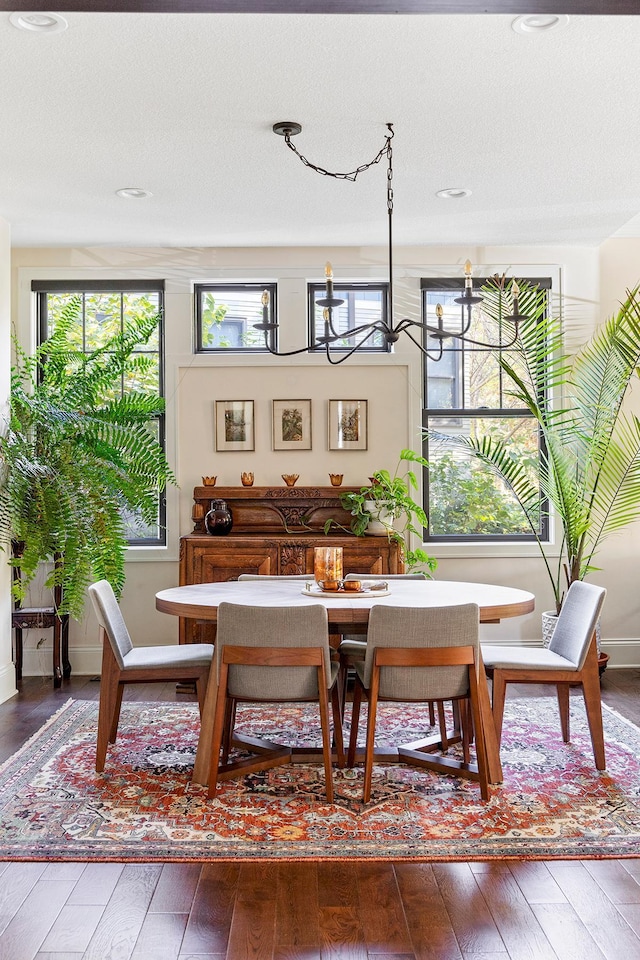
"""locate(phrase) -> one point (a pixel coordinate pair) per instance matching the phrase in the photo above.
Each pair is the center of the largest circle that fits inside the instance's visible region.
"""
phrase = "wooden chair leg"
(323, 702)
(562, 690)
(498, 694)
(432, 714)
(442, 724)
(201, 688)
(221, 713)
(478, 722)
(115, 713)
(338, 738)
(371, 733)
(466, 728)
(593, 705)
(355, 722)
(109, 692)
(229, 727)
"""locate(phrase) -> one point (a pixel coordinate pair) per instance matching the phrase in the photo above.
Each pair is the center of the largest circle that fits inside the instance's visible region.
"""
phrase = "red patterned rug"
(553, 803)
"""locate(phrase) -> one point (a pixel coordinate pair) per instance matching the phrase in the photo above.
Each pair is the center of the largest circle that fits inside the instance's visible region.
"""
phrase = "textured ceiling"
(543, 129)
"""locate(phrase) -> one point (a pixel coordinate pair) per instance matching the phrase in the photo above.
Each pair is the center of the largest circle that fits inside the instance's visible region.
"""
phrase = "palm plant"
(77, 455)
(590, 449)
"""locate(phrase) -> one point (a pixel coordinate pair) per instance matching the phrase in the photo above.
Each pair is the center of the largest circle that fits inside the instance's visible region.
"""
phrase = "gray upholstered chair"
(271, 654)
(353, 648)
(123, 663)
(418, 655)
(571, 659)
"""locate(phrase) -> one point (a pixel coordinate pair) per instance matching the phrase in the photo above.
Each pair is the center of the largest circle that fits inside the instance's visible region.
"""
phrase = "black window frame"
(448, 284)
(41, 288)
(200, 288)
(314, 289)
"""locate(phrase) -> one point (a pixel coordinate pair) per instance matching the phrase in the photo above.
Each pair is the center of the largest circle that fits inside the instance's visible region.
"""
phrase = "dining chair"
(354, 648)
(417, 655)
(122, 663)
(571, 659)
(267, 655)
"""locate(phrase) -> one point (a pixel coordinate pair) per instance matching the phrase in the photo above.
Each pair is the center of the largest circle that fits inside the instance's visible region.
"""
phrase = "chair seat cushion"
(184, 655)
(352, 647)
(527, 658)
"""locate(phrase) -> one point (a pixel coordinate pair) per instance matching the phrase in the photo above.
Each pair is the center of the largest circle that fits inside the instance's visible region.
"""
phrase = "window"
(467, 394)
(226, 313)
(363, 303)
(106, 307)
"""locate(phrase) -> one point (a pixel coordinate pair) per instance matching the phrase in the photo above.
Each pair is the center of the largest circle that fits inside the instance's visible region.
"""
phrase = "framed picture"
(291, 424)
(234, 425)
(348, 425)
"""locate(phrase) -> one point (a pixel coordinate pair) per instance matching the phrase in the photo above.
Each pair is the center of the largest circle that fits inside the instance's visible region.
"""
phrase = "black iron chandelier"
(417, 331)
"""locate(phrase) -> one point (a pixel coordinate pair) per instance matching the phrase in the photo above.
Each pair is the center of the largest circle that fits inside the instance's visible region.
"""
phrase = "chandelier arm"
(352, 350)
(424, 349)
(489, 346)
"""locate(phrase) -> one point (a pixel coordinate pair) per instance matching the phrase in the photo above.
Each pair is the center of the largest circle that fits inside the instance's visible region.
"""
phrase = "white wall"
(392, 384)
(7, 672)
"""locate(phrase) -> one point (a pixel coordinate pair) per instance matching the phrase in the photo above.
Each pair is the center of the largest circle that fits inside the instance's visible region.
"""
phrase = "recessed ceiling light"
(454, 193)
(133, 193)
(39, 22)
(537, 23)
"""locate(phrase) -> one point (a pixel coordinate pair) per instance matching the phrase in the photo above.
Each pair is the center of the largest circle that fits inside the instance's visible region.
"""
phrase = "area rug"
(553, 803)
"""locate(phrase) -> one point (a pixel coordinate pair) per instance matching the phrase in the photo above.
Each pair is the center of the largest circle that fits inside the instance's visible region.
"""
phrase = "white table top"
(199, 601)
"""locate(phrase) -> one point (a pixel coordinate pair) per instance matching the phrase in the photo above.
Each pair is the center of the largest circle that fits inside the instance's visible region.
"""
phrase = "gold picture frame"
(348, 424)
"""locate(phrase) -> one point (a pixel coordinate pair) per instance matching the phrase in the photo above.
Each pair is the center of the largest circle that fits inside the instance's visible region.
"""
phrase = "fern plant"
(75, 455)
(590, 456)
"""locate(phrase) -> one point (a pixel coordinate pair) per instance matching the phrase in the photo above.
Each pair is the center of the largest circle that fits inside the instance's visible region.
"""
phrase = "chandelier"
(428, 337)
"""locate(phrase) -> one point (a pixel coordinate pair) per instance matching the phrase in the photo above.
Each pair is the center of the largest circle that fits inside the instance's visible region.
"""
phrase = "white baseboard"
(7, 682)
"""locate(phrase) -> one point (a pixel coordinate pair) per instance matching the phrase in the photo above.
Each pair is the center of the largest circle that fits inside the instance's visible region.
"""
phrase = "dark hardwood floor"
(311, 911)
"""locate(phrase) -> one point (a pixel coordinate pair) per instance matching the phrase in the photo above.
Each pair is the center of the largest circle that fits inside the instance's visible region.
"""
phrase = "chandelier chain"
(353, 174)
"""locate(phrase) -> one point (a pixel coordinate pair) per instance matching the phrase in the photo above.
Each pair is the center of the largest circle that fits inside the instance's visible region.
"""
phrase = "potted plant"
(76, 455)
(386, 507)
(590, 453)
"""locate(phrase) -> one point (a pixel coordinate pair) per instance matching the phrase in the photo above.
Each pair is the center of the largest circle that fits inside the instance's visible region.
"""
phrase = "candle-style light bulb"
(265, 306)
(325, 314)
(515, 293)
(328, 275)
(468, 280)
(439, 313)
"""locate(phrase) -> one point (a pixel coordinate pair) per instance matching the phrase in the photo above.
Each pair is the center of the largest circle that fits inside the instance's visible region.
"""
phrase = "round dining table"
(347, 613)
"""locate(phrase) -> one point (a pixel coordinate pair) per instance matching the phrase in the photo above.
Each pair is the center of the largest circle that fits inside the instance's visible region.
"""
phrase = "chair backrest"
(250, 626)
(385, 576)
(452, 626)
(110, 619)
(577, 621)
(266, 576)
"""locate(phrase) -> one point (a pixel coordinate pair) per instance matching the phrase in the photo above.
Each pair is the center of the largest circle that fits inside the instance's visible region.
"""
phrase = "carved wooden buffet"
(274, 532)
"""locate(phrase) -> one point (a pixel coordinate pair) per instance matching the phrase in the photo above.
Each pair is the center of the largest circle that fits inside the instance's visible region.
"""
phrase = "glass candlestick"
(327, 564)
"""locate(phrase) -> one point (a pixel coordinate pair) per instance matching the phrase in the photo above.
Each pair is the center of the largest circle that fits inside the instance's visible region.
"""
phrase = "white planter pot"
(381, 521)
(549, 620)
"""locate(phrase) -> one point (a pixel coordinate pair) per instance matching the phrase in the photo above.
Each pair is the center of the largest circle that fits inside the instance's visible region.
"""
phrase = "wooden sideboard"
(274, 532)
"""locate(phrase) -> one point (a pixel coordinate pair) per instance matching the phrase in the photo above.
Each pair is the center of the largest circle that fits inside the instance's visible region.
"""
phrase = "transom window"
(226, 313)
(363, 303)
(107, 307)
(468, 394)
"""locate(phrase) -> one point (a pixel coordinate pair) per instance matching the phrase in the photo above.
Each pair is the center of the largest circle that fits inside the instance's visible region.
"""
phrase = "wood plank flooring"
(555, 910)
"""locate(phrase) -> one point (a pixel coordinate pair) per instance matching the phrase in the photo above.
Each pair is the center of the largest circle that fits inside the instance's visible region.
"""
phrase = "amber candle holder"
(327, 564)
